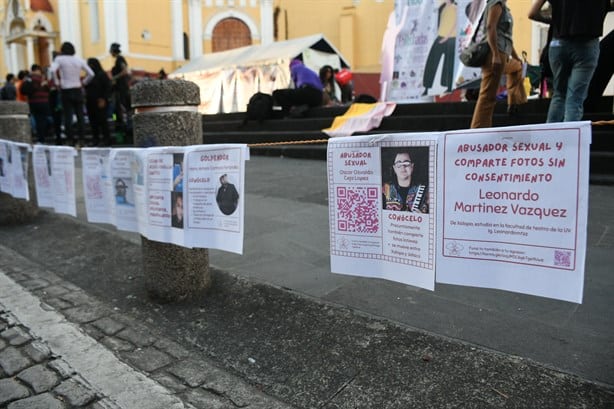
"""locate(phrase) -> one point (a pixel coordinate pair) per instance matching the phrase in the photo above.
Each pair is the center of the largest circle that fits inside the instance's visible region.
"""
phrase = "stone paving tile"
(192, 373)
(169, 381)
(75, 298)
(172, 348)
(117, 345)
(37, 351)
(85, 313)
(75, 393)
(13, 361)
(55, 290)
(11, 390)
(16, 336)
(148, 359)
(44, 401)
(39, 378)
(137, 337)
(35, 284)
(59, 304)
(108, 325)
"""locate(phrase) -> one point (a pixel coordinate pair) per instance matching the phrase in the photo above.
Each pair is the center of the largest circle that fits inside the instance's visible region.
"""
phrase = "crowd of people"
(573, 56)
(69, 89)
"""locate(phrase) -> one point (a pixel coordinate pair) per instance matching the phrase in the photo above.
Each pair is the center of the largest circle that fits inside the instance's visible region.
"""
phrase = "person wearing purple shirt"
(307, 91)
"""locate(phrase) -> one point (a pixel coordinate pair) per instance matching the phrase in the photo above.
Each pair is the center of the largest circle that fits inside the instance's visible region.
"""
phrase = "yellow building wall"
(337, 19)
(356, 28)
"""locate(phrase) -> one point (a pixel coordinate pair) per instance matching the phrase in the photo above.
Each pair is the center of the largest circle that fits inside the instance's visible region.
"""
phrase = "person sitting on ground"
(307, 91)
(329, 94)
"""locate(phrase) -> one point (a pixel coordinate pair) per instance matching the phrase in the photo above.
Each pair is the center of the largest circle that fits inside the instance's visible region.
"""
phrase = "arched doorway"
(42, 47)
(230, 33)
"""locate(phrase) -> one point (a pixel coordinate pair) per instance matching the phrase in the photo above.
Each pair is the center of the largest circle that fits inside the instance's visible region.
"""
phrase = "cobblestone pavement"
(34, 376)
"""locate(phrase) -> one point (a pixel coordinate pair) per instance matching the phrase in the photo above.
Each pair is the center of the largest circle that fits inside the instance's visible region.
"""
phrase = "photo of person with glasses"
(404, 172)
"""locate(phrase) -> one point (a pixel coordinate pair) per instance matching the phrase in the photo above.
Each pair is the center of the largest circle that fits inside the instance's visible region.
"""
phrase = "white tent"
(229, 78)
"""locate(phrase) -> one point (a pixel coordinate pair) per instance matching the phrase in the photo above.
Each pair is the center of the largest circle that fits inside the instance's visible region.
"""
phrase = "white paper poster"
(54, 174)
(382, 207)
(164, 178)
(214, 190)
(514, 209)
(19, 170)
(97, 189)
(194, 195)
(123, 214)
(14, 169)
(5, 167)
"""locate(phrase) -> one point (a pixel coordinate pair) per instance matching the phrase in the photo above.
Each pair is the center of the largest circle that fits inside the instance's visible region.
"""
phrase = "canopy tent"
(229, 78)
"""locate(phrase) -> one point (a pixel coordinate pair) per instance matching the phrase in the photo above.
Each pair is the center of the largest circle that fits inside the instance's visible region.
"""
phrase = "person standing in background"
(9, 92)
(501, 59)
(573, 52)
(55, 104)
(38, 100)
(97, 95)
(120, 76)
(66, 69)
(21, 77)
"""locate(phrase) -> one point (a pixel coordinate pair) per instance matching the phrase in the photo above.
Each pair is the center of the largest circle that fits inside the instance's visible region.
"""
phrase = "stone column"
(15, 126)
(166, 115)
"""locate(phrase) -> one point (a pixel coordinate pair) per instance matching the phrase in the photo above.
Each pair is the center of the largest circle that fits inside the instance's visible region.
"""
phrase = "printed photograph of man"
(405, 179)
(123, 192)
(177, 210)
(227, 197)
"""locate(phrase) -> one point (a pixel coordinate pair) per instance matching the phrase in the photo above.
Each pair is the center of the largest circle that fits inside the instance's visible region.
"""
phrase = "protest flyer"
(382, 201)
(164, 195)
(214, 194)
(54, 175)
(97, 189)
(5, 166)
(123, 210)
(19, 170)
(514, 209)
(41, 166)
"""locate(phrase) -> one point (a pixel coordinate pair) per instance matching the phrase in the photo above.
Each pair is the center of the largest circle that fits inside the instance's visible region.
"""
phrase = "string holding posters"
(14, 169)
(54, 176)
(514, 209)
(382, 207)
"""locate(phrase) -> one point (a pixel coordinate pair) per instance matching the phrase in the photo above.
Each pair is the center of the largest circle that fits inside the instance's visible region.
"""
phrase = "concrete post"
(166, 115)
(15, 126)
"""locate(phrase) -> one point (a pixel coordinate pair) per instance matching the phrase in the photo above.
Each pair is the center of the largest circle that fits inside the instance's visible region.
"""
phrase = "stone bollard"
(15, 126)
(166, 115)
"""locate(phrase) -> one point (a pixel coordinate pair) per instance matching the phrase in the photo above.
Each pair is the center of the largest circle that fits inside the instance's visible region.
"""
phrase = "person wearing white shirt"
(66, 70)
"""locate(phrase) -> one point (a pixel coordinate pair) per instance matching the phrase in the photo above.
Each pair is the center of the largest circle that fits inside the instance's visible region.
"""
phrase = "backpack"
(27, 87)
(259, 107)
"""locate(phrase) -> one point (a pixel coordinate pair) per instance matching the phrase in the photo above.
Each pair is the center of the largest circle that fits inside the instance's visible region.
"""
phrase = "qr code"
(358, 209)
(562, 258)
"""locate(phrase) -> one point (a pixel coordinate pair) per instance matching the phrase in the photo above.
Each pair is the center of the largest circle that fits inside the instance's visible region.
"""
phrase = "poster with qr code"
(382, 207)
(514, 208)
